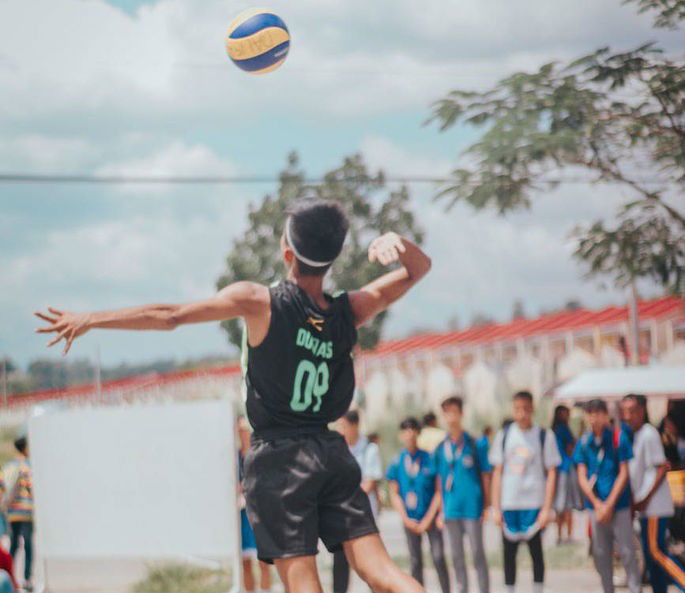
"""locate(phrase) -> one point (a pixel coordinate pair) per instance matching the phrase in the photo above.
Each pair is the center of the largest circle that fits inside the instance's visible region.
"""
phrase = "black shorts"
(302, 488)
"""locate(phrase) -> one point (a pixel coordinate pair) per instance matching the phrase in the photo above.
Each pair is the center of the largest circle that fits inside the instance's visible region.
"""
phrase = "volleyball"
(257, 41)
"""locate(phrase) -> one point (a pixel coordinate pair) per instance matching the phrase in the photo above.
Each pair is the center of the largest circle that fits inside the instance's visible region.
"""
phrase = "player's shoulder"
(252, 298)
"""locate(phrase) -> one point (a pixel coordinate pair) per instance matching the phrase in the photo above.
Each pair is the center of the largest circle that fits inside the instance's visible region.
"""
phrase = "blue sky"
(146, 88)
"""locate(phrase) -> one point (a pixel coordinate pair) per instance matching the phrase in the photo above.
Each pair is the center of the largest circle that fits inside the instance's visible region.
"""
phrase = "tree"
(669, 12)
(608, 117)
(518, 310)
(372, 210)
(481, 319)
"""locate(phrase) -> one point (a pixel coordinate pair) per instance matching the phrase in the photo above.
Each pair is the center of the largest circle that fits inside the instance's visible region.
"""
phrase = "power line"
(33, 178)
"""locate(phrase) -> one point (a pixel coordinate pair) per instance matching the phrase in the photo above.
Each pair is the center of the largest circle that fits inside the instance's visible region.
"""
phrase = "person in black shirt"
(301, 481)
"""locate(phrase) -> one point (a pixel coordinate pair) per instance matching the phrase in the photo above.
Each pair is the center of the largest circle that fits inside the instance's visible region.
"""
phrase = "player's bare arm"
(248, 300)
(378, 295)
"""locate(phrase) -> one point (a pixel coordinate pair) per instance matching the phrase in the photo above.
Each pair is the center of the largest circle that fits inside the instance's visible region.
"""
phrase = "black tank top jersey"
(302, 374)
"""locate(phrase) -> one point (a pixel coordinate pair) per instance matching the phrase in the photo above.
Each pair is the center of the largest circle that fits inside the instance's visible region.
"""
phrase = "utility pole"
(4, 381)
(98, 378)
(634, 323)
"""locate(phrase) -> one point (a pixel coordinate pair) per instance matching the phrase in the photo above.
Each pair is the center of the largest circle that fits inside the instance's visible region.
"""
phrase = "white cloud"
(45, 153)
(86, 87)
(396, 160)
(347, 57)
(175, 159)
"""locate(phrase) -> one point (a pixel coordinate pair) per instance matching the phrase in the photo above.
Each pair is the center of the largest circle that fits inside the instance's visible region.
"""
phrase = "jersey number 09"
(310, 380)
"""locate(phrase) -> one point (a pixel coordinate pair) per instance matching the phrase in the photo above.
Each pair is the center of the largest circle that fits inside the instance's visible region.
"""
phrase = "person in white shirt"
(525, 457)
(368, 457)
(651, 495)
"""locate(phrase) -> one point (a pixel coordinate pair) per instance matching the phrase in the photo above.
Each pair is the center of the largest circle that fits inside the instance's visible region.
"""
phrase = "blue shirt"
(483, 443)
(464, 462)
(602, 460)
(564, 439)
(416, 481)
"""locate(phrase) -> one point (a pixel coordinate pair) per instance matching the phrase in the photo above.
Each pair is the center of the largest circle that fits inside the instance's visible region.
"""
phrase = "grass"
(181, 578)
(7, 452)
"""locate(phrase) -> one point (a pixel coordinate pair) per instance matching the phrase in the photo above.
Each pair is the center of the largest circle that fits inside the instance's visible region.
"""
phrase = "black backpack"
(543, 436)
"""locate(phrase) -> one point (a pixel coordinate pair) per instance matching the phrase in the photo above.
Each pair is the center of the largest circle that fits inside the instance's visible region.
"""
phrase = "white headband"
(298, 255)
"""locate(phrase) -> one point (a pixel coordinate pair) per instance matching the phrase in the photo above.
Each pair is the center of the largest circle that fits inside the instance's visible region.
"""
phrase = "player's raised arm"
(241, 299)
(378, 295)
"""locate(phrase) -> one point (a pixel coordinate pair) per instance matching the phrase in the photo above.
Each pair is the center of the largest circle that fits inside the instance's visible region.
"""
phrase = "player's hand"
(640, 506)
(386, 249)
(440, 522)
(497, 517)
(67, 325)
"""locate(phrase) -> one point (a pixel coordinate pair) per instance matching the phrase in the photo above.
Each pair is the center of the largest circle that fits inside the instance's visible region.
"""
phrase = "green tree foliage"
(608, 117)
(669, 13)
(372, 208)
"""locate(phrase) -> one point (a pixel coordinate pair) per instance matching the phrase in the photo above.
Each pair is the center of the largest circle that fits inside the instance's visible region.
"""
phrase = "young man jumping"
(301, 481)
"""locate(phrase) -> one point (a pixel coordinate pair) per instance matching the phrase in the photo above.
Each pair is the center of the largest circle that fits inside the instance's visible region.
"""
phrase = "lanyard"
(600, 458)
(412, 468)
(452, 455)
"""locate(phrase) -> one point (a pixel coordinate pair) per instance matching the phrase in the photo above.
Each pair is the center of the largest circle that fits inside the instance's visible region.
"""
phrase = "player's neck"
(412, 449)
(312, 285)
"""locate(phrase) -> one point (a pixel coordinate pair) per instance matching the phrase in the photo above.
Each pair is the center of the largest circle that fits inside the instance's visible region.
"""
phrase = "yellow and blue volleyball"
(257, 41)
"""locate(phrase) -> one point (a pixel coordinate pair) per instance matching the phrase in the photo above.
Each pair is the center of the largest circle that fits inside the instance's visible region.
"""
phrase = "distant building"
(485, 363)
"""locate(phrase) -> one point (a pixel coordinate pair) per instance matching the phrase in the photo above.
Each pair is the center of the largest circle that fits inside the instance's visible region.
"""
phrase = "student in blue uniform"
(412, 487)
(602, 456)
(463, 482)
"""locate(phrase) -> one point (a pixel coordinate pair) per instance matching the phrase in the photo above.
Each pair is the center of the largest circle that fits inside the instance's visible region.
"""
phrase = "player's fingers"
(45, 317)
(401, 246)
(390, 255)
(58, 337)
(55, 311)
(46, 330)
(70, 339)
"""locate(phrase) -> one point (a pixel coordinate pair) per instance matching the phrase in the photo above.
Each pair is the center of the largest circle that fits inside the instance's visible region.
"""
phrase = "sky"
(145, 87)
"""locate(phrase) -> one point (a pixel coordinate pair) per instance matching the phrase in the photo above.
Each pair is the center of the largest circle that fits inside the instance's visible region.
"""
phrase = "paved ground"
(577, 575)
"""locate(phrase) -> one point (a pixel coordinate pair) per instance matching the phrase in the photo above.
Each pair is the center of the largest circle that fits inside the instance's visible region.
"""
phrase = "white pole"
(4, 381)
(634, 326)
(98, 379)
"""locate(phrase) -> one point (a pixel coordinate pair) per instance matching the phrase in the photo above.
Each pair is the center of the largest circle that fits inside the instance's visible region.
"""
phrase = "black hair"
(453, 401)
(596, 405)
(429, 419)
(410, 423)
(318, 229)
(487, 429)
(556, 418)
(352, 416)
(640, 400)
(523, 395)
(20, 445)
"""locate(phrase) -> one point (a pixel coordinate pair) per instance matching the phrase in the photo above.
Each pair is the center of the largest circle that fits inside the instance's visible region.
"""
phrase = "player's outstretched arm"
(241, 299)
(378, 295)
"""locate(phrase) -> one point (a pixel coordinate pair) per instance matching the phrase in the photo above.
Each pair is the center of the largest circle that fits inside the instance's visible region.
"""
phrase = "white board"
(150, 481)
